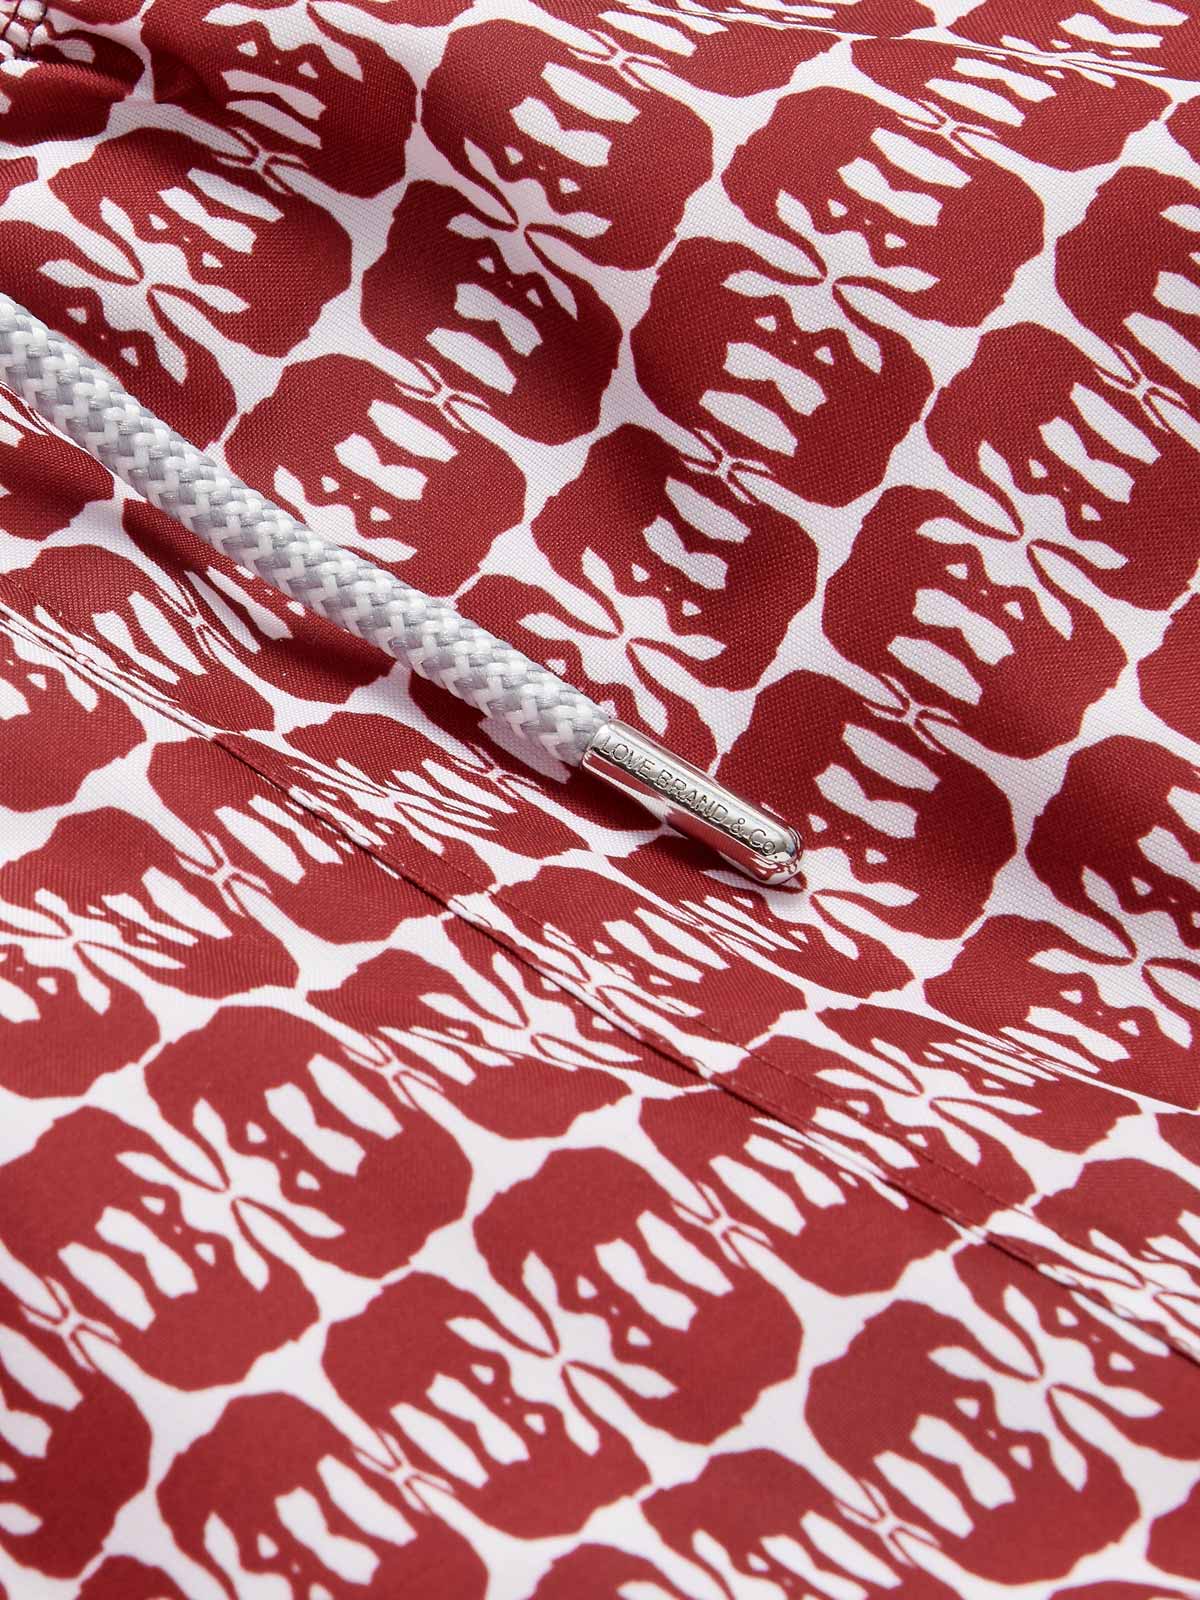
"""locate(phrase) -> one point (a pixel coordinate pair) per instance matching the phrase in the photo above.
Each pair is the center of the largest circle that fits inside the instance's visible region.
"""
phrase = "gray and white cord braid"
(434, 638)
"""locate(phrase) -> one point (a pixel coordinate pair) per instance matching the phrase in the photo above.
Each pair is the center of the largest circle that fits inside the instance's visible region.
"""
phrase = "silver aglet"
(749, 838)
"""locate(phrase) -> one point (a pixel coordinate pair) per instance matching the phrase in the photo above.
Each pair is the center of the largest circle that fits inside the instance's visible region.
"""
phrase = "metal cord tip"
(745, 835)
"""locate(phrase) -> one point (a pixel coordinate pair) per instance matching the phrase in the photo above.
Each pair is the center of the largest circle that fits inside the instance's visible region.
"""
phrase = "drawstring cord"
(431, 635)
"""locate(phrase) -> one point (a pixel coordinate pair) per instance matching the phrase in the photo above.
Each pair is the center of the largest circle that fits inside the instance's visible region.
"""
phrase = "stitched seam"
(758, 1100)
(215, 732)
(159, 692)
(906, 1184)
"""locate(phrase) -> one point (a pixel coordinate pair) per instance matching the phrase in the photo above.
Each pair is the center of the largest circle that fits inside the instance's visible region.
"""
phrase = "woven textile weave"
(419, 1176)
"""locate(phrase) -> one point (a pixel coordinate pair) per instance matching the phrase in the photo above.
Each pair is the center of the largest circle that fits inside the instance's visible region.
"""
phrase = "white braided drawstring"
(430, 634)
(435, 639)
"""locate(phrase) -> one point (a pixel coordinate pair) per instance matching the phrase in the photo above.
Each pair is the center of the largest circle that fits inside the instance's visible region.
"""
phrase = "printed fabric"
(419, 1176)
